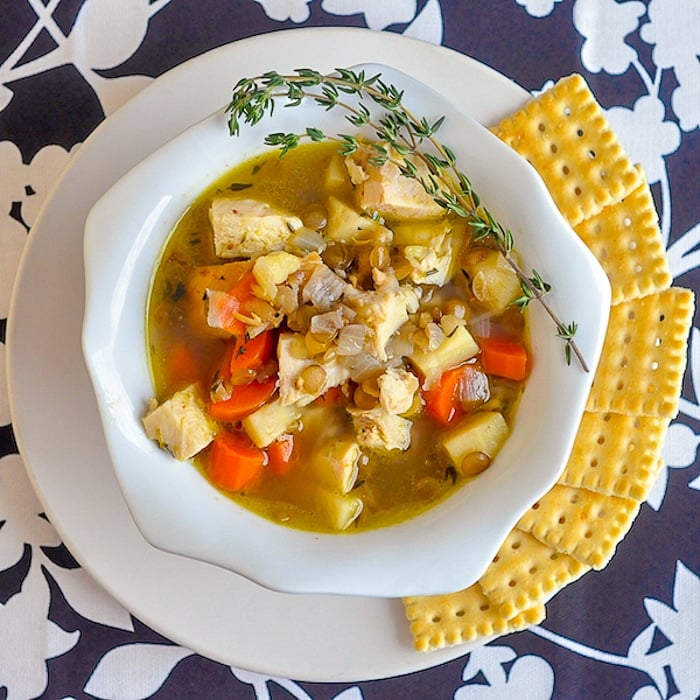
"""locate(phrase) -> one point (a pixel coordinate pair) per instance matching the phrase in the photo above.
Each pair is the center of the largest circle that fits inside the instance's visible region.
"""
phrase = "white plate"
(207, 609)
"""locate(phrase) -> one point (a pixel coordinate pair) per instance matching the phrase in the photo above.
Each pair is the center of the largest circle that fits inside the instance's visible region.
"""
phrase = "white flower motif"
(673, 31)
(378, 15)
(24, 187)
(604, 24)
(28, 639)
(134, 671)
(538, 8)
(647, 137)
(283, 10)
(679, 451)
(428, 24)
(529, 676)
(20, 509)
(679, 624)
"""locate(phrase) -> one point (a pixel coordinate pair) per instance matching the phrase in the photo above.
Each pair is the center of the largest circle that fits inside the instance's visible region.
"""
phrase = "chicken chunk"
(377, 429)
(383, 311)
(303, 378)
(180, 424)
(397, 389)
(389, 193)
(248, 228)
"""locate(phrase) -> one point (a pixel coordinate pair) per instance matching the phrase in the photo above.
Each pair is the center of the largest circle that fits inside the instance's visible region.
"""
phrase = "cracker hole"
(512, 583)
(436, 619)
(515, 545)
(562, 520)
(593, 463)
(541, 127)
(535, 506)
(624, 470)
(591, 155)
(620, 386)
(565, 169)
(627, 339)
(567, 111)
(654, 366)
(553, 148)
(495, 559)
(484, 607)
(573, 499)
(637, 268)
(627, 222)
(578, 192)
(624, 362)
(631, 316)
(579, 132)
(601, 439)
(658, 342)
(588, 534)
(662, 318)
(603, 174)
(607, 417)
(632, 245)
(554, 555)
(533, 569)
(459, 613)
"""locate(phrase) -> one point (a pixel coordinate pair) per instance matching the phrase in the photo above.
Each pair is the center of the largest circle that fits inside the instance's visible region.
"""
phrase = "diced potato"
(424, 233)
(345, 223)
(338, 511)
(494, 283)
(337, 174)
(482, 432)
(270, 421)
(455, 349)
(180, 424)
(335, 464)
(273, 269)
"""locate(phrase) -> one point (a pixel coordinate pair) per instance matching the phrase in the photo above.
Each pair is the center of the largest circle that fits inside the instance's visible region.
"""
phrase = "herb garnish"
(402, 138)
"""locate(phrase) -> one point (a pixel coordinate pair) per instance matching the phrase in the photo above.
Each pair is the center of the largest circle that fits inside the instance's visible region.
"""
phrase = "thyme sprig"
(402, 138)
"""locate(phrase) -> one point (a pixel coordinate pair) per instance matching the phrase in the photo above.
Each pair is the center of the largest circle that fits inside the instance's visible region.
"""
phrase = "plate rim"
(384, 42)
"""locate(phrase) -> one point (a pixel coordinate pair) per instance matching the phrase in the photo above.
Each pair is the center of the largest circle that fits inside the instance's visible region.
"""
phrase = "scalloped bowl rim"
(176, 509)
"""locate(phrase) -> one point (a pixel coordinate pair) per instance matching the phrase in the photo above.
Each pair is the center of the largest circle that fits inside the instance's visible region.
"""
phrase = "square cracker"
(456, 618)
(526, 572)
(581, 523)
(616, 455)
(644, 355)
(565, 135)
(626, 239)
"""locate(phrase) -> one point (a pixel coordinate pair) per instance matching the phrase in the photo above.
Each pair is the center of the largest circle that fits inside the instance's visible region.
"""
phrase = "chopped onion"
(306, 239)
(351, 339)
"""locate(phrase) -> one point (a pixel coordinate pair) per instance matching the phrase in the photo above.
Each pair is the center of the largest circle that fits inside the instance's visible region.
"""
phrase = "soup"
(328, 346)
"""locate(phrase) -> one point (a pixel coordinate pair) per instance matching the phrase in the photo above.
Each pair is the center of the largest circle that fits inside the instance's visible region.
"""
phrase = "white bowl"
(176, 508)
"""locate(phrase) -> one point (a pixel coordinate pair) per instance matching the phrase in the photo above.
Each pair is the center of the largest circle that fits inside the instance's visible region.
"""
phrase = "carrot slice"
(282, 455)
(234, 462)
(504, 358)
(245, 399)
(442, 401)
(225, 307)
(251, 353)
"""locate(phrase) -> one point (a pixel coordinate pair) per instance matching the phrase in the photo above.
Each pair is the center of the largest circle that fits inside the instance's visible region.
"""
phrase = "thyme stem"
(405, 133)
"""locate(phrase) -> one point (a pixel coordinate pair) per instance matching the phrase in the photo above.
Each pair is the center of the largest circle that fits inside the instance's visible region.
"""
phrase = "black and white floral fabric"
(630, 631)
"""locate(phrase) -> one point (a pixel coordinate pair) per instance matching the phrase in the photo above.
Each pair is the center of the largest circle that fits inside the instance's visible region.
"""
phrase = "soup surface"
(328, 346)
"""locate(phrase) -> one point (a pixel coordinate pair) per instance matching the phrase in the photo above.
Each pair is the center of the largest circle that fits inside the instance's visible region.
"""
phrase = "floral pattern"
(75, 640)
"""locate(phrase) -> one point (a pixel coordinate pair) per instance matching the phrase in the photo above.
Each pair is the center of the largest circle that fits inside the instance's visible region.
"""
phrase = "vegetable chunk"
(482, 432)
(180, 424)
